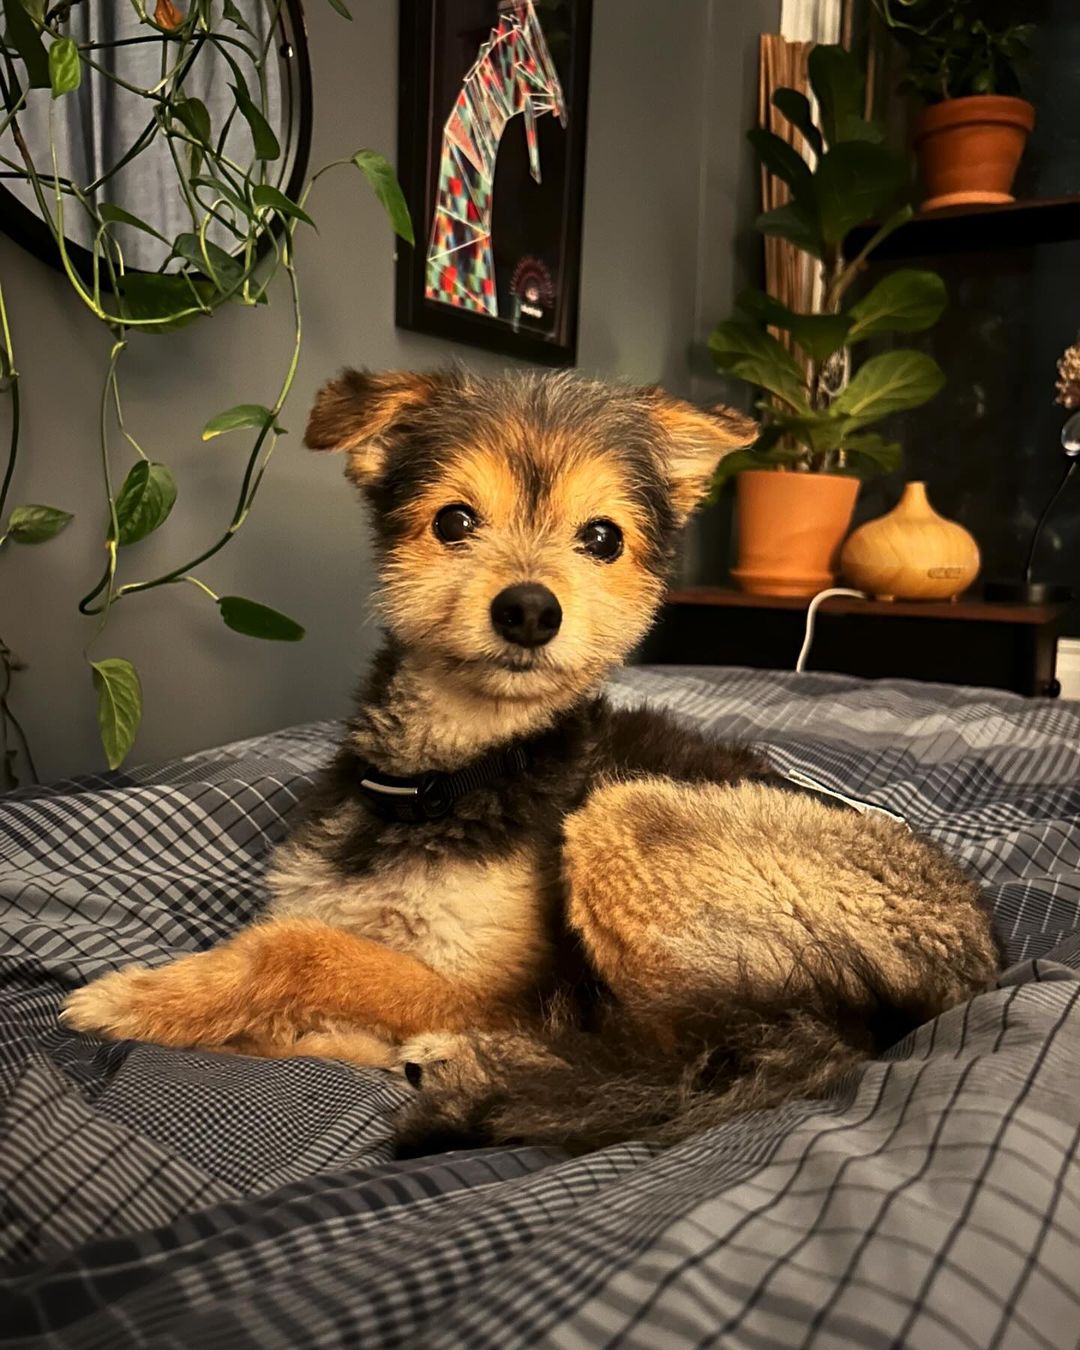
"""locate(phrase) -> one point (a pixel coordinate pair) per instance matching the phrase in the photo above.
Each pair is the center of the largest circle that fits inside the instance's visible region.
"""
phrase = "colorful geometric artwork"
(513, 76)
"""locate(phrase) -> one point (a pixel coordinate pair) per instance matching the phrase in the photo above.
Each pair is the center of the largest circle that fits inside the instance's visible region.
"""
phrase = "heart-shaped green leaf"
(262, 135)
(144, 502)
(119, 707)
(36, 524)
(907, 301)
(233, 419)
(893, 382)
(24, 37)
(65, 68)
(163, 297)
(745, 351)
(192, 112)
(222, 268)
(259, 621)
(378, 171)
(265, 195)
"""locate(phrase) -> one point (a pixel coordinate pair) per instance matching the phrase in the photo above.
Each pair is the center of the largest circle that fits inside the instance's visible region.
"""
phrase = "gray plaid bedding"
(165, 1198)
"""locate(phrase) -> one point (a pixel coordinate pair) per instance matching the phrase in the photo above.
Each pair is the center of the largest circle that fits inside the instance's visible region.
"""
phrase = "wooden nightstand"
(967, 641)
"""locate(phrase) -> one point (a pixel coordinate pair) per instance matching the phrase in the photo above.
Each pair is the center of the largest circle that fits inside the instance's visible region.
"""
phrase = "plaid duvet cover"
(180, 1199)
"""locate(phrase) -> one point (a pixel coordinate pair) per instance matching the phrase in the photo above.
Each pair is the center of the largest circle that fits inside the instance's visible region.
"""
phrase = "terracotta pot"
(791, 526)
(970, 149)
(912, 553)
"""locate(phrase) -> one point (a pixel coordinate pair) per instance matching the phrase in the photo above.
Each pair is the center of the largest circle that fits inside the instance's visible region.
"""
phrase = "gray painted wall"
(668, 187)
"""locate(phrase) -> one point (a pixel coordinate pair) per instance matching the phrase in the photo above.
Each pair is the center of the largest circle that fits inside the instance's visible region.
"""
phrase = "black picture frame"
(534, 280)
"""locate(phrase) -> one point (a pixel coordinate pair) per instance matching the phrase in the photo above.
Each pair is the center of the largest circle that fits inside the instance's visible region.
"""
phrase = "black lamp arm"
(1069, 470)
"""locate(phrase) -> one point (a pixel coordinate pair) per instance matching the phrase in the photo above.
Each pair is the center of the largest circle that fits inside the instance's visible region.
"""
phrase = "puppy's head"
(526, 524)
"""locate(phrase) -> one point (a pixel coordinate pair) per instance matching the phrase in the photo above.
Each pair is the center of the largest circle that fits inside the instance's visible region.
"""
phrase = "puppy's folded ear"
(694, 442)
(360, 413)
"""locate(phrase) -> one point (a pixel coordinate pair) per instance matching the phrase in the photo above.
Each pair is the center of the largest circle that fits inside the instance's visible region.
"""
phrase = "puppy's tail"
(582, 1091)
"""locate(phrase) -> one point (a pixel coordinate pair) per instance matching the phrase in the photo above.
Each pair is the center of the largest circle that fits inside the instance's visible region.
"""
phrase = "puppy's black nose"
(527, 614)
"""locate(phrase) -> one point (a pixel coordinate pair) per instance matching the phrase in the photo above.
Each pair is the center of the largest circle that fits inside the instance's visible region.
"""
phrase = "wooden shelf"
(972, 229)
(966, 608)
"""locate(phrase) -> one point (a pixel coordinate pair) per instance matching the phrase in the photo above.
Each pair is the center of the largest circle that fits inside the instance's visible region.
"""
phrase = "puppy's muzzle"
(529, 615)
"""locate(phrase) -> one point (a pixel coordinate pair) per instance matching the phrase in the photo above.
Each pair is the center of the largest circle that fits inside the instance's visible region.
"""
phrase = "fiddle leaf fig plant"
(227, 173)
(820, 409)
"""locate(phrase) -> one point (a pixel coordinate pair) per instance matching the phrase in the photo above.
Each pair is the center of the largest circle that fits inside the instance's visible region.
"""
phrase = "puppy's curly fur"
(637, 936)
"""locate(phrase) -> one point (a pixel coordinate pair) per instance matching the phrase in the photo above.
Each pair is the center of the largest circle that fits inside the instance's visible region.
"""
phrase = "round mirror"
(125, 143)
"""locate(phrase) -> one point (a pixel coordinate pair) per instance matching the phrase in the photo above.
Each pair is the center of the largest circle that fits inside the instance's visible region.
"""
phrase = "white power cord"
(811, 615)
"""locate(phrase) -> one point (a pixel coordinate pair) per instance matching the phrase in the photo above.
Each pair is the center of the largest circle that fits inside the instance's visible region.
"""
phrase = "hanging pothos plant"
(238, 199)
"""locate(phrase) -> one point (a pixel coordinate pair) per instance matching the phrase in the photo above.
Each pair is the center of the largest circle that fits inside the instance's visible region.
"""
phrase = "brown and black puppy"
(571, 923)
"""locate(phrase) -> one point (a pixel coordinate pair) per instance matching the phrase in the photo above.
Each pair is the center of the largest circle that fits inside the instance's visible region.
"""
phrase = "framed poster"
(491, 157)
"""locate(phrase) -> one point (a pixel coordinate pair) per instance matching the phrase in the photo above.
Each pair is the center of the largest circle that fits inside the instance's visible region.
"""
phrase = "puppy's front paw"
(114, 1005)
(193, 1001)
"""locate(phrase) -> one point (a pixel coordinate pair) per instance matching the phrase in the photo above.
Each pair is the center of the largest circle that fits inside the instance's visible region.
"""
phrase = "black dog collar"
(433, 795)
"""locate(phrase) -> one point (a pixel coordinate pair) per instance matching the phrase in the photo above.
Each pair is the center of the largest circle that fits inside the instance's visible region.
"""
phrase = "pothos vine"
(261, 222)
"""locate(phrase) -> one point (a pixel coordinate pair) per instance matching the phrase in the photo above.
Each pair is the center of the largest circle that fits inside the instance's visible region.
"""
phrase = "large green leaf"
(222, 268)
(819, 335)
(163, 297)
(36, 524)
(23, 35)
(782, 160)
(869, 452)
(193, 113)
(379, 172)
(907, 301)
(796, 108)
(262, 135)
(854, 183)
(116, 215)
(821, 431)
(340, 7)
(890, 383)
(119, 707)
(769, 457)
(233, 419)
(745, 351)
(144, 502)
(839, 86)
(264, 195)
(798, 223)
(65, 68)
(260, 621)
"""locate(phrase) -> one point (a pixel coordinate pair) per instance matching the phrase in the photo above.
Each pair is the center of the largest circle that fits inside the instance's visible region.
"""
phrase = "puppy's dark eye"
(601, 539)
(454, 524)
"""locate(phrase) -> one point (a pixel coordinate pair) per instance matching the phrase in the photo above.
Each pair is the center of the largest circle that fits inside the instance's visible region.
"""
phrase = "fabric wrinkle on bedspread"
(151, 1196)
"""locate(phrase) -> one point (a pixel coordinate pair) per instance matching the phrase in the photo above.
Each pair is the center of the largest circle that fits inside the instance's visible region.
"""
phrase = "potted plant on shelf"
(963, 58)
(797, 485)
